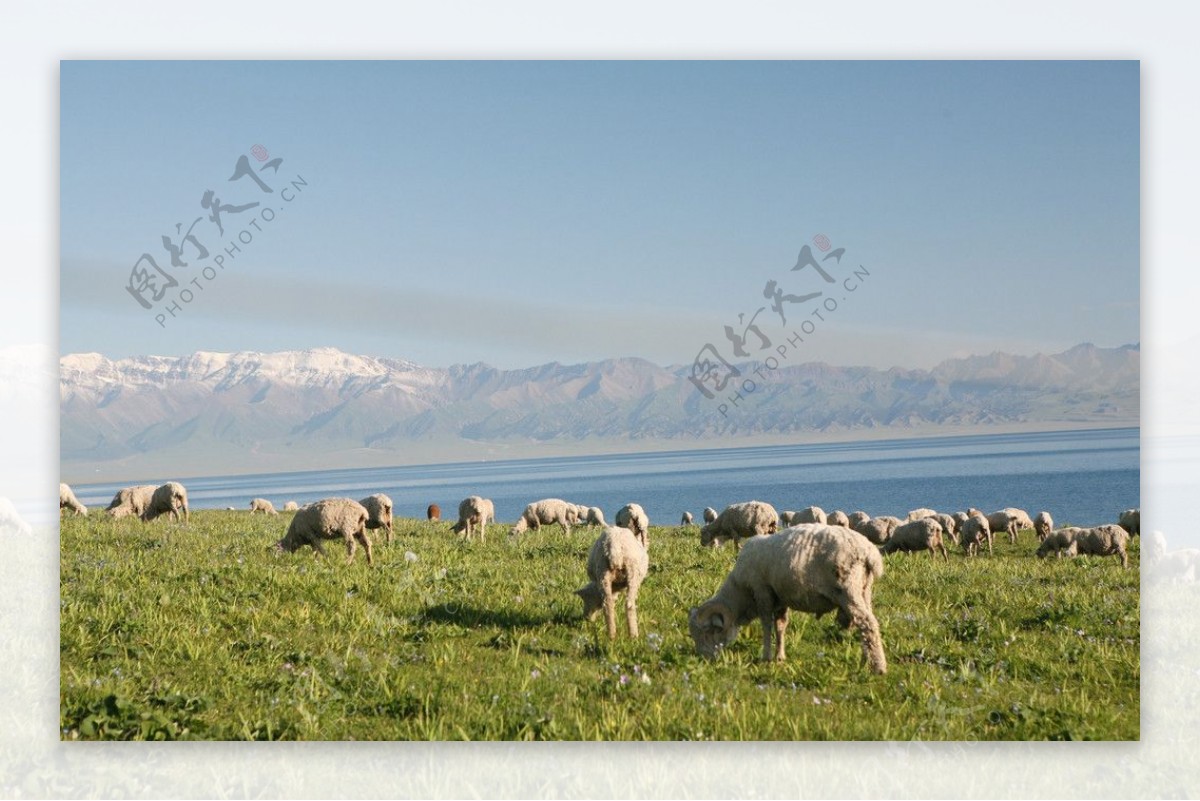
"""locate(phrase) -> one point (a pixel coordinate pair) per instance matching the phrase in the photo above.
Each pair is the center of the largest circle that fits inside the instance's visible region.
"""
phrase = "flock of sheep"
(817, 563)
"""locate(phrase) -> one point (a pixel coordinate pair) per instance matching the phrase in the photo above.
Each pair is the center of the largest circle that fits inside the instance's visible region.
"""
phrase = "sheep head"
(712, 626)
(593, 600)
(708, 536)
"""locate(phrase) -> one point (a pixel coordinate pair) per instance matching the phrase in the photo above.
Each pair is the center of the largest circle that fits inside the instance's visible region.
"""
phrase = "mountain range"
(225, 413)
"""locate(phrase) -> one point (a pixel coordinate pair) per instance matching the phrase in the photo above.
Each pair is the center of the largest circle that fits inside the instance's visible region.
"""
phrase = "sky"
(518, 213)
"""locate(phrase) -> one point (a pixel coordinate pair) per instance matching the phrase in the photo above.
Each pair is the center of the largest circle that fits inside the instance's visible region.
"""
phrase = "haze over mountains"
(221, 413)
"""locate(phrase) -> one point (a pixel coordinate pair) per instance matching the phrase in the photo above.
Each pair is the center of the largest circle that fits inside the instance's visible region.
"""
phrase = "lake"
(1080, 477)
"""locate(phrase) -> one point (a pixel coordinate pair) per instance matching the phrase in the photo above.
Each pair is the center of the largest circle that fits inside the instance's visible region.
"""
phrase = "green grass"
(199, 632)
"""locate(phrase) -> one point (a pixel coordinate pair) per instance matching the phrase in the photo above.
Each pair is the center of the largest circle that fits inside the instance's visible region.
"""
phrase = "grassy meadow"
(198, 631)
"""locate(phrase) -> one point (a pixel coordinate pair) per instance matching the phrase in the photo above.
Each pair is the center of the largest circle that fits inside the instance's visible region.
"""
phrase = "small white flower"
(409, 556)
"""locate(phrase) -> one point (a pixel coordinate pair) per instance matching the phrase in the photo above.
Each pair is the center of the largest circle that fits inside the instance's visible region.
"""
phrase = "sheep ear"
(717, 622)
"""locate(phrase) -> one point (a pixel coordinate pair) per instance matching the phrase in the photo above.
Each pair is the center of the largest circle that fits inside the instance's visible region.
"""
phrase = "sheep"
(974, 532)
(810, 568)
(617, 561)
(329, 519)
(1043, 524)
(474, 513)
(924, 533)
(131, 501)
(67, 500)
(169, 499)
(1009, 519)
(949, 526)
(838, 518)
(740, 521)
(290, 506)
(1181, 566)
(595, 516)
(686, 520)
(856, 519)
(433, 512)
(633, 517)
(810, 514)
(379, 512)
(710, 514)
(1131, 521)
(581, 514)
(785, 518)
(917, 514)
(1106, 540)
(262, 505)
(545, 512)
(960, 518)
(876, 529)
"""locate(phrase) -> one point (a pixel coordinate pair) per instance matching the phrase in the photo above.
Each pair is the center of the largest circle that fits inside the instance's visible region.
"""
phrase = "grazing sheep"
(838, 518)
(1131, 521)
(262, 505)
(917, 514)
(169, 499)
(433, 512)
(856, 519)
(960, 518)
(876, 529)
(545, 512)
(1182, 566)
(949, 526)
(809, 568)
(329, 519)
(1106, 540)
(1007, 520)
(810, 514)
(67, 500)
(710, 514)
(595, 516)
(474, 513)
(131, 500)
(1043, 524)
(974, 532)
(379, 512)
(924, 533)
(740, 521)
(580, 514)
(785, 518)
(633, 517)
(617, 561)
(686, 520)
(291, 506)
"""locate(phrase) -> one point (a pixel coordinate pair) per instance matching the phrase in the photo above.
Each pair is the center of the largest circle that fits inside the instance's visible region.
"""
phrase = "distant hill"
(321, 408)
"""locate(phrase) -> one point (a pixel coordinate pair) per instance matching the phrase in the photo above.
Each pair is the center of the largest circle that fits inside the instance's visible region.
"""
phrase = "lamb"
(545, 512)
(924, 533)
(710, 514)
(810, 514)
(1043, 524)
(131, 501)
(474, 513)
(1009, 519)
(617, 561)
(974, 532)
(433, 512)
(917, 514)
(262, 505)
(379, 512)
(838, 518)
(1106, 540)
(740, 521)
(949, 526)
(1131, 521)
(856, 519)
(595, 516)
(169, 499)
(686, 520)
(290, 506)
(810, 568)
(329, 519)
(67, 500)
(633, 517)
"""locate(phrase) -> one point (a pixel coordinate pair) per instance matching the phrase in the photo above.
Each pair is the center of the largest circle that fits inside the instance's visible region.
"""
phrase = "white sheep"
(595, 516)
(67, 500)
(1131, 521)
(329, 519)
(1009, 519)
(262, 505)
(169, 499)
(710, 514)
(379, 512)
(740, 521)
(974, 532)
(633, 517)
(543, 513)
(474, 513)
(856, 519)
(917, 514)
(617, 561)
(291, 506)
(1043, 524)
(1109, 540)
(949, 526)
(810, 568)
(924, 533)
(809, 514)
(131, 501)
(686, 520)
(876, 529)
(786, 516)
(838, 518)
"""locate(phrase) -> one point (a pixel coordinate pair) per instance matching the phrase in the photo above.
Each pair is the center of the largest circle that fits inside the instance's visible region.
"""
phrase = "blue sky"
(524, 212)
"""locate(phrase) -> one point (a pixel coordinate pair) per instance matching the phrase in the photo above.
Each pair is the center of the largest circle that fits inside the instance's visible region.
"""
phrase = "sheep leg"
(315, 542)
(351, 547)
(766, 614)
(631, 593)
(389, 532)
(781, 622)
(610, 604)
(362, 537)
(872, 641)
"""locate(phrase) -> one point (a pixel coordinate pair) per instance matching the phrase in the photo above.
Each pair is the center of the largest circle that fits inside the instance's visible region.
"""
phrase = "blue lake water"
(1080, 477)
